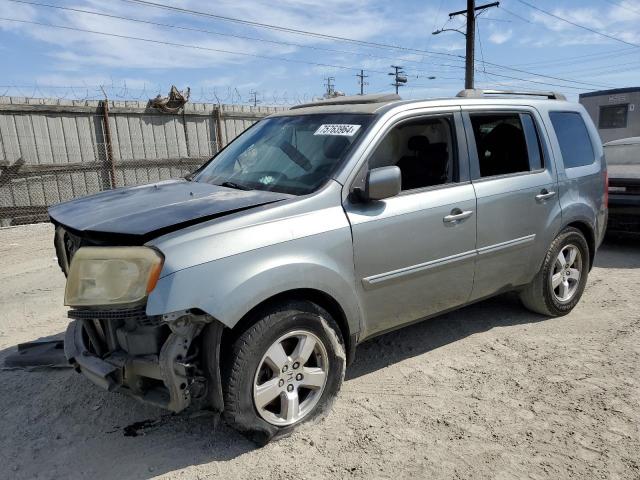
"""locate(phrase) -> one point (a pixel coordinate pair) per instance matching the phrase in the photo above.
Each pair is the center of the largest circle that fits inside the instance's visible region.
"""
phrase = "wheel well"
(588, 233)
(318, 297)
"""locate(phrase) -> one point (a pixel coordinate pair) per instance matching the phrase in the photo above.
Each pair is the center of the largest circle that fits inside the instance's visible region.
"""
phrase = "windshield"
(294, 154)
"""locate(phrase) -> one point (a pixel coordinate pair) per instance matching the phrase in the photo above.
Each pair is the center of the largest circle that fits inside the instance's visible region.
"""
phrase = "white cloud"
(500, 36)
(617, 21)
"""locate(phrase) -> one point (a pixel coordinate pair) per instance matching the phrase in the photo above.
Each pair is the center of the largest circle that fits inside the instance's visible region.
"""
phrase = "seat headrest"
(334, 146)
(418, 143)
(506, 133)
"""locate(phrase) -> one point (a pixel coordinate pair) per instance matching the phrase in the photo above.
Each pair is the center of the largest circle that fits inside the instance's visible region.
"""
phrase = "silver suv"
(246, 287)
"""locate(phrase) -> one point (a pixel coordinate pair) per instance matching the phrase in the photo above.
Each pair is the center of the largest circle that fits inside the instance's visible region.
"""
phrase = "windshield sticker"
(340, 129)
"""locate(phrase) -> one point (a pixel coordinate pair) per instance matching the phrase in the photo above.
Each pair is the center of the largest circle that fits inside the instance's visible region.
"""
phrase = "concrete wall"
(55, 150)
(622, 96)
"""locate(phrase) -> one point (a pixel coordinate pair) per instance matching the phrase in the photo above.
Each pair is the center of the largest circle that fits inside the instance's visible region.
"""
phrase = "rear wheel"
(558, 286)
(283, 370)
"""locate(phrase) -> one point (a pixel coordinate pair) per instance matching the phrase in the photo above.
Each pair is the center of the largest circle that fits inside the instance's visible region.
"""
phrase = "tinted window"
(423, 149)
(294, 154)
(506, 143)
(573, 137)
(613, 116)
(533, 142)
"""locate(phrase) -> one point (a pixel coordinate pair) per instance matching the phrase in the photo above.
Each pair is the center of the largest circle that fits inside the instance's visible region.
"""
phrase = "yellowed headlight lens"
(103, 276)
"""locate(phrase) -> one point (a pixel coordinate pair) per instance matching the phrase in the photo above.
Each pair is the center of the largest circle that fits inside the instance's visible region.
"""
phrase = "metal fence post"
(217, 113)
(107, 140)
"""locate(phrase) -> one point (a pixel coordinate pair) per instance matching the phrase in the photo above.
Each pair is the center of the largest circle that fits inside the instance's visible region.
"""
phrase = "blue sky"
(514, 40)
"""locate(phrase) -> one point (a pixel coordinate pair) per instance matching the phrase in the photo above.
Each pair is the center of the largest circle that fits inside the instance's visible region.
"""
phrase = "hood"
(151, 210)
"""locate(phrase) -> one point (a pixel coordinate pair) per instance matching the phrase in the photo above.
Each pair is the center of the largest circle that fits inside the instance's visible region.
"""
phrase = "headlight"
(101, 276)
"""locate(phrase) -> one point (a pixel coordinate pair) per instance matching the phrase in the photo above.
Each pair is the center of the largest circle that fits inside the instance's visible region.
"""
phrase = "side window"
(423, 149)
(506, 143)
(573, 137)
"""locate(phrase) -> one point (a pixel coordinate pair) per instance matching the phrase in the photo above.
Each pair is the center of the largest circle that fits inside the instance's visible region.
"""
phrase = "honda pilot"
(246, 287)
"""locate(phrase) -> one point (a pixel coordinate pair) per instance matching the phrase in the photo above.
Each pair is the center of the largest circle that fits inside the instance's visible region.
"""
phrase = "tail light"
(606, 189)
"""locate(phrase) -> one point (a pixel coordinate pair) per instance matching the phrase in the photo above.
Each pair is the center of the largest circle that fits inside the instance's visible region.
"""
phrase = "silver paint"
(393, 261)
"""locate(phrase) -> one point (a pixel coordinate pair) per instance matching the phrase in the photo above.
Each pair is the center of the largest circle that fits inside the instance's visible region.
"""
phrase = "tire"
(250, 369)
(540, 296)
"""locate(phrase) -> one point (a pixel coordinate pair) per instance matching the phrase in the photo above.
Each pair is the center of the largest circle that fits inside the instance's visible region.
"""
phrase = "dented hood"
(151, 210)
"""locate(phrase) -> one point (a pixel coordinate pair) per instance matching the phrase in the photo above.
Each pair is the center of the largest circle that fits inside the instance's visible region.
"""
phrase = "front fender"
(229, 287)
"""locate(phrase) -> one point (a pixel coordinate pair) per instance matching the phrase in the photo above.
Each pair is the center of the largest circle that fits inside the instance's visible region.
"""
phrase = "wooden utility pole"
(470, 12)
(469, 59)
(361, 76)
(399, 76)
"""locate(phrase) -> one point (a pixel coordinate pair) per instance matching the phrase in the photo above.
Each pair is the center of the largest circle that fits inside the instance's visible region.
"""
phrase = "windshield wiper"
(237, 186)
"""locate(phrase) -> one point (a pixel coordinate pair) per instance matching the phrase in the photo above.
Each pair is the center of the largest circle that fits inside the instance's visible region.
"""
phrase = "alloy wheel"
(566, 273)
(290, 378)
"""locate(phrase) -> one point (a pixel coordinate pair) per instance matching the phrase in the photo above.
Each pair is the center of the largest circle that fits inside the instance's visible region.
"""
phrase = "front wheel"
(559, 284)
(283, 370)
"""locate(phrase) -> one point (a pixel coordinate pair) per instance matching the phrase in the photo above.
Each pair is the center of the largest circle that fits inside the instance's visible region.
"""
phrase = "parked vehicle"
(247, 286)
(623, 160)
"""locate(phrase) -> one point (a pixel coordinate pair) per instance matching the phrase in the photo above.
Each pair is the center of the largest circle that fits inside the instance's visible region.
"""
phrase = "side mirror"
(381, 183)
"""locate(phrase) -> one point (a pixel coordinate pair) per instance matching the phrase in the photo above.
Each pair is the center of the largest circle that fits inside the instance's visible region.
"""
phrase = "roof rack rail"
(478, 93)
(351, 99)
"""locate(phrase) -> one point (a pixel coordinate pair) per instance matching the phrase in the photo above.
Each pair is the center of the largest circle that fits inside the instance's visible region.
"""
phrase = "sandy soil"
(490, 391)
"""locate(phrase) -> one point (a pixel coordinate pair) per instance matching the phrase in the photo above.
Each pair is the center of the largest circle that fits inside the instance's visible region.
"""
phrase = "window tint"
(423, 149)
(533, 142)
(613, 116)
(573, 137)
(506, 143)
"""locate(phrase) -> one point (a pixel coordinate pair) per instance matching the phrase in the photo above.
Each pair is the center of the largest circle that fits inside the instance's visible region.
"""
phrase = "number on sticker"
(343, 130)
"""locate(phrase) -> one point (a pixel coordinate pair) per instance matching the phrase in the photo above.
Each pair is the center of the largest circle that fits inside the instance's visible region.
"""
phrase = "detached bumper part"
(150, 359)
(98, 371)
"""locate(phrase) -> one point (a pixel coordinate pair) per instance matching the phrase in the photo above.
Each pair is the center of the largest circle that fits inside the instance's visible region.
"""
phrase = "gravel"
(489, 391)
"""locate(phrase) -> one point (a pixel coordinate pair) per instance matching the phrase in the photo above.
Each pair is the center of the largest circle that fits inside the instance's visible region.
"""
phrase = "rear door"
(515, 181)
(414, 252)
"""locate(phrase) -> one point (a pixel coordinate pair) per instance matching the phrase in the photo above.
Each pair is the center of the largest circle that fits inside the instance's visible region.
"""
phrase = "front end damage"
(171, 361)
(168, 360)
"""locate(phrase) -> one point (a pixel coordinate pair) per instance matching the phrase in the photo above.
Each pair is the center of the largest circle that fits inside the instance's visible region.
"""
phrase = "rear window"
(573, 137)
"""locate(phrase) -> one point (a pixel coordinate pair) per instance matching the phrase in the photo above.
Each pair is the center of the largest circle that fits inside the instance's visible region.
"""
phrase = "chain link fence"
(51, 152)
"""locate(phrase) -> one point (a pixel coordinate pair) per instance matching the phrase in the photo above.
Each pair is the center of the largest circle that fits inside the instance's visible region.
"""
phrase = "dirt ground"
(490, 391)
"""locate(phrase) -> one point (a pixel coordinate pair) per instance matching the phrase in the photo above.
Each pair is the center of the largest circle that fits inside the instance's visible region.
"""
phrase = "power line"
(267, 57)
(531, 81)
(551, 77)
(213, 32)
(605, 68)
(184, 45)
(470, 47)
(573, 59)
(622, 5)
(597, 32)
(287, 29)
(513, 14)
(333, 37)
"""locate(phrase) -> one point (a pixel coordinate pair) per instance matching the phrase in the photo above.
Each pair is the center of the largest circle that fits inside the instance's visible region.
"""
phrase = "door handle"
(457, 215)
(544, 195)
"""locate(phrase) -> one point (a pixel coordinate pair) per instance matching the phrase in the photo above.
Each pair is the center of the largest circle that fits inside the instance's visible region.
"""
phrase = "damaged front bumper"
(168, 361)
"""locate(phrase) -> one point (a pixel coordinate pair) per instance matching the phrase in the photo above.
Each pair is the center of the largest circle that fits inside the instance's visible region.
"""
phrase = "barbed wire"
(220, 95)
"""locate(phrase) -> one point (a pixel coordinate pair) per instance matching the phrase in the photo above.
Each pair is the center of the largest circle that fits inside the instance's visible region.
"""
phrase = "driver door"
(414, 253)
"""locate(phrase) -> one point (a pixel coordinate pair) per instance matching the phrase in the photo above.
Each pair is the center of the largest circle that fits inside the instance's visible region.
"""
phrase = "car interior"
(423, 150)
(501, 144)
